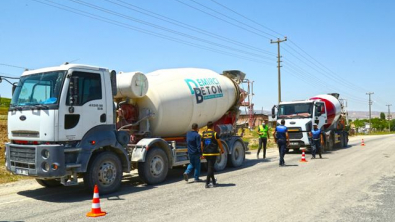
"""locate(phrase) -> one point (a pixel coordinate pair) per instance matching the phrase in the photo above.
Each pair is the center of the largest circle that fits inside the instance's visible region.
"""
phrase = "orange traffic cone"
(363, 143)
(96, 210)
(303, 157)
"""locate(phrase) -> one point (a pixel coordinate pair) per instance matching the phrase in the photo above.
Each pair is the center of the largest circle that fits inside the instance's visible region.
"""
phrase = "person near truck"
(282, 139)
(212, 147)
(194, 153)
(316, 141)
(263, 132)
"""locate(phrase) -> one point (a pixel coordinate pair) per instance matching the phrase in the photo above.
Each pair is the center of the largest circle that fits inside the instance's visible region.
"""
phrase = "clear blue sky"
(353, 39)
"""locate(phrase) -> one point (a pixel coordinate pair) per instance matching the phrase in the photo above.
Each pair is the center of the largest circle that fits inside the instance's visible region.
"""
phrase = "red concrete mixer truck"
(325, 110)
(76, 121)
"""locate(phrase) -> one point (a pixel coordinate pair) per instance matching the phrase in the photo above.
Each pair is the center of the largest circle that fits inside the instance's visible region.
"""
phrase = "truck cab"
(299, 117)
(59, 118)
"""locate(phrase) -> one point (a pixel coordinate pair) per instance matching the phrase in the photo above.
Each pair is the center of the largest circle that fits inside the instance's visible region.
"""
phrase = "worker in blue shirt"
(282, 139)
(316, 141)
(194, 153)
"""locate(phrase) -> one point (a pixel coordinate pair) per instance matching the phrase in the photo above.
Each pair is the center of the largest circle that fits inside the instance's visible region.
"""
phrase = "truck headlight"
(45, 166)
(45, 154)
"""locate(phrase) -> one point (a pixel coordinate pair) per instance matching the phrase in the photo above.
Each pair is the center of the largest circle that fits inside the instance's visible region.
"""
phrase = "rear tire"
(222, 160)
(49, 183)
(155, 168)
(105, 171)
(238, 155)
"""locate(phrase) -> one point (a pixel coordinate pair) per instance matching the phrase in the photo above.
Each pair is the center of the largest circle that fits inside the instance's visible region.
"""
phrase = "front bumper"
(29, 160)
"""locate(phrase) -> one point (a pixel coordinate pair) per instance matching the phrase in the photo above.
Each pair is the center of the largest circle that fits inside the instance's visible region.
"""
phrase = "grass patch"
(5, 176)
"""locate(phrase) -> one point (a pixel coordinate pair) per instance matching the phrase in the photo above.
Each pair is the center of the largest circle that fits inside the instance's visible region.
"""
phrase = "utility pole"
(370, 111)
(389, 117)
(278, 64)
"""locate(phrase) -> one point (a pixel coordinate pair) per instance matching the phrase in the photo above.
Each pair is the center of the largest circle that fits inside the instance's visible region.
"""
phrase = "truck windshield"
(297, 110)
(38, 89)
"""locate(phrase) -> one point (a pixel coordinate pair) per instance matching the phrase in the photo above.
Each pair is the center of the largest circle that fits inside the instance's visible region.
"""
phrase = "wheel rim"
(157, 166)
(107, 173)
(238, 153)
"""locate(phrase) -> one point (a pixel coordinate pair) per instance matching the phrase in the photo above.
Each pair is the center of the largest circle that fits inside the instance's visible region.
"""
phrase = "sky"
(333, 46)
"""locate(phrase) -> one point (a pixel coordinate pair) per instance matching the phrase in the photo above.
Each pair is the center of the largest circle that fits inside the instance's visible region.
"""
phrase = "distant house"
(259, 116)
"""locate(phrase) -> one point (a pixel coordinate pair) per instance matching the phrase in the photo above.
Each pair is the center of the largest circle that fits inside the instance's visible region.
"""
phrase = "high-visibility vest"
(210, 144)
(264, 131)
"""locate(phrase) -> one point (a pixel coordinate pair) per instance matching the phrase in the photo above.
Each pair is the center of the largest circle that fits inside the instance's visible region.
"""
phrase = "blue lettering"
(188, 81)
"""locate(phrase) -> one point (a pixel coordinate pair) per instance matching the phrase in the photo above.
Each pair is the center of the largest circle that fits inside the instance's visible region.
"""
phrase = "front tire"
(155, 168)
(49, 183)
(105, 171)
(238, 155)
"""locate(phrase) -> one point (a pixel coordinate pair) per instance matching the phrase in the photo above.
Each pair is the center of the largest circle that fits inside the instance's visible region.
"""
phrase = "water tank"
(181, 97)
(131, 85)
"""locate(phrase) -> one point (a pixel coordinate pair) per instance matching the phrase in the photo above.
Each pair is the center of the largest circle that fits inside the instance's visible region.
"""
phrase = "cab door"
(320, 114)
(87, 109)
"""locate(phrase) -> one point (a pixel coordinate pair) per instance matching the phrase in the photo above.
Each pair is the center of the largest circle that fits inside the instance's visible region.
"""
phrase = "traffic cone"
(96, 210)
(363, 143)
(303, 157)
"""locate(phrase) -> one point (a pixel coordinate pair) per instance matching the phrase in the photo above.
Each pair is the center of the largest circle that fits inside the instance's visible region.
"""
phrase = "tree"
(382, 115)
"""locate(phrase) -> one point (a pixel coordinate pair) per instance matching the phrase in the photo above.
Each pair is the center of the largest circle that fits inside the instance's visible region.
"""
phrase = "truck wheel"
(238, 155)
(49, 183)
(222, 160)
(155, 168)
(105, 171)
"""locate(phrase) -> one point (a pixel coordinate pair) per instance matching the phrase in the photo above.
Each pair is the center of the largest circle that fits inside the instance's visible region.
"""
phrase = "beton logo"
(203, 89)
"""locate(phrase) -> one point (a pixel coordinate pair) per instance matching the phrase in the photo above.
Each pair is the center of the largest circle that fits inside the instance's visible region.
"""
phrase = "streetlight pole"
(370, 111)
(389, 117)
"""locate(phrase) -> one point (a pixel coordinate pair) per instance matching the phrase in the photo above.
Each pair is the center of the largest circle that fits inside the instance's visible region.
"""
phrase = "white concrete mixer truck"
(325, 110)
(76, 121)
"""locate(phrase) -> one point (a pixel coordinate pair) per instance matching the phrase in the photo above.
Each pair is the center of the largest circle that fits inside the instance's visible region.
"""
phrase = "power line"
(186, 26)
(210, 14)
(166, 29)
(127, 26)
(229, 9)
(13, 66)
(215, 11)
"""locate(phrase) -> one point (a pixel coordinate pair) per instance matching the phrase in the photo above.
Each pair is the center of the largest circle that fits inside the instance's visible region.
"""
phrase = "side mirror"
(274, 112)
(113, 76)
(13, 88)
(73, 89)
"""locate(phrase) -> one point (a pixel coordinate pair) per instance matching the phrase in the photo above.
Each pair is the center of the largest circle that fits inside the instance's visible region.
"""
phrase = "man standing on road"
(210, 144)
(194, 153)
(263, 132)
(316, 141)
(282, 138)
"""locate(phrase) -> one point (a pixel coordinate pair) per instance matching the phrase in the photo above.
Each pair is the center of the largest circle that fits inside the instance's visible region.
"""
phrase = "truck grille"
(295, 133)
(24, 133)
(23, 155)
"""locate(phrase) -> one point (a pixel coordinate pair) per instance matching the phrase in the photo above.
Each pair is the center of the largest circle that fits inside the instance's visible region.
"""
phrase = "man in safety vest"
(263, 132)
(211, 148)
(316, 141)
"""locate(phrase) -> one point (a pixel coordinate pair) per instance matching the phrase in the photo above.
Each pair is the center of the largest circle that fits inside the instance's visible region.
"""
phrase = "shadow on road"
(225, 185)
(131, 183)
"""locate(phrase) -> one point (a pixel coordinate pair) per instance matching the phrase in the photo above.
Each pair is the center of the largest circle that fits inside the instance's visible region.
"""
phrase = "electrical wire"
(186, 26)
(13, 66)
(167, 29)
(127, 26)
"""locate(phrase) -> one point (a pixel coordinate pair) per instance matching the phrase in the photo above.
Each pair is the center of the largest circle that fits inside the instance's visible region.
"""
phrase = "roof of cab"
(63, 67)
(296, 102)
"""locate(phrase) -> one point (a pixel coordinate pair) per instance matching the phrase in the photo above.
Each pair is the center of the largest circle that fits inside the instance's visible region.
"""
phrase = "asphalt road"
(352, 184)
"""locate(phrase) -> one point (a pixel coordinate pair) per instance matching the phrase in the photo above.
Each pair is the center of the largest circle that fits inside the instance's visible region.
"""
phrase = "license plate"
(22, 171)
(294, 144)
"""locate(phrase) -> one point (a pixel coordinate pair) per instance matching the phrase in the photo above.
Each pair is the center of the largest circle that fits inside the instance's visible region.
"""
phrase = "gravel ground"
(352, 184)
